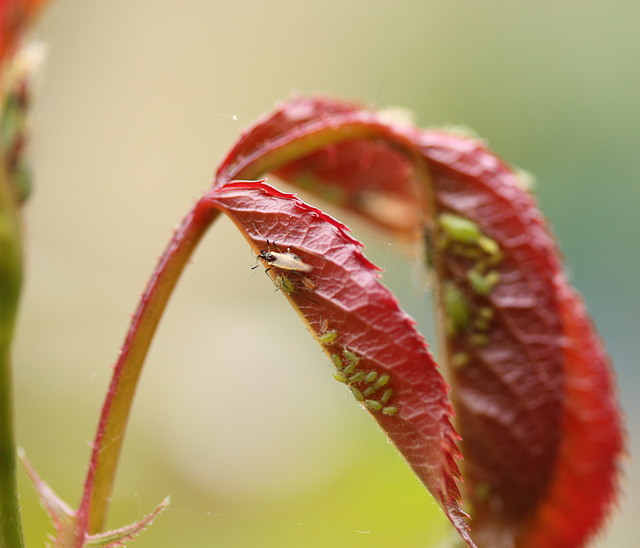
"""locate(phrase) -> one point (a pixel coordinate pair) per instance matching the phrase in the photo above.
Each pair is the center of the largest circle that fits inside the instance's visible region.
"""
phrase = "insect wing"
(288, 261)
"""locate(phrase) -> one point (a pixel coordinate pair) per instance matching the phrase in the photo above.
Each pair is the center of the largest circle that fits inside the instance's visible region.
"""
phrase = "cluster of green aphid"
(367, 386)
(463, 238)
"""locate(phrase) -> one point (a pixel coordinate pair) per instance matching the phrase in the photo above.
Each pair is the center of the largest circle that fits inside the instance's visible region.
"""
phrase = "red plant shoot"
(508, 336)
(531, 386)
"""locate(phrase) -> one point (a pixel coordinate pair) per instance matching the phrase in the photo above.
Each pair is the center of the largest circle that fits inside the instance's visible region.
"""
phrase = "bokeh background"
(237, 416)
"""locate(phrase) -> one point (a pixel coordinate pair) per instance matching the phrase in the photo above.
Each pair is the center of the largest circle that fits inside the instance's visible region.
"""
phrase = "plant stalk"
(98, 485)
(10, 283)
(10, 523)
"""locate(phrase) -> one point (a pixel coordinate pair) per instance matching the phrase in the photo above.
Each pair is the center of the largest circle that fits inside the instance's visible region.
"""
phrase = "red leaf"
(509, 393)
(535, 399)
(374, 346)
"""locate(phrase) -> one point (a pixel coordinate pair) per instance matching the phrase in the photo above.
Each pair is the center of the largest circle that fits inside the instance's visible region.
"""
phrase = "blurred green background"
(237, 416)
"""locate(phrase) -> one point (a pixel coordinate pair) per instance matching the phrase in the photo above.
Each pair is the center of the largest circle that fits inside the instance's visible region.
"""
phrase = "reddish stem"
(98, 485)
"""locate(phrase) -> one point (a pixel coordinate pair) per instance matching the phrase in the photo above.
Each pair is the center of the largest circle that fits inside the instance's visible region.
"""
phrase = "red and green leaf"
(374, 346)
(509, 382)
(536, 402)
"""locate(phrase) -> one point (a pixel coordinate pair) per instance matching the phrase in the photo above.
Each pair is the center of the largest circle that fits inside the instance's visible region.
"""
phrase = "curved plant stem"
(115, 412)
(310, 138)
(10, 282)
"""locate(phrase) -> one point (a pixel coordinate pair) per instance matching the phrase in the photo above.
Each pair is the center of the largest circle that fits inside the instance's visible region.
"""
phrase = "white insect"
(283, 260)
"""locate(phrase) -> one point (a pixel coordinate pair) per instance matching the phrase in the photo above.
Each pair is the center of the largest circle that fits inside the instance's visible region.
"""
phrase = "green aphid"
(373, 404)
(466, 232)
(459, 229)
(489, 246)
(389, 410)
(351, 356)
(460, 359)
(285, 284)
(328, 337)
(371, 376)
(357, 376)
(384, 379)
(370, 391)
(356, 393)
(387, 395)
(483, 284)
(456, 308)
(336, 361)
(349, 368)
(340, 377)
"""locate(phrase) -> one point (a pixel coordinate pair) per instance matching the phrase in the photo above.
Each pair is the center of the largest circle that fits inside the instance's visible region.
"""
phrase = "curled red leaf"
(531, 383)
(534, 395)
(373, 345)
(509, 383)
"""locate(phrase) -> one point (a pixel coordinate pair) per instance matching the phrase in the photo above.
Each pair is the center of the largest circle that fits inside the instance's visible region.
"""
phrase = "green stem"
(10, 282)
(10, 524)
